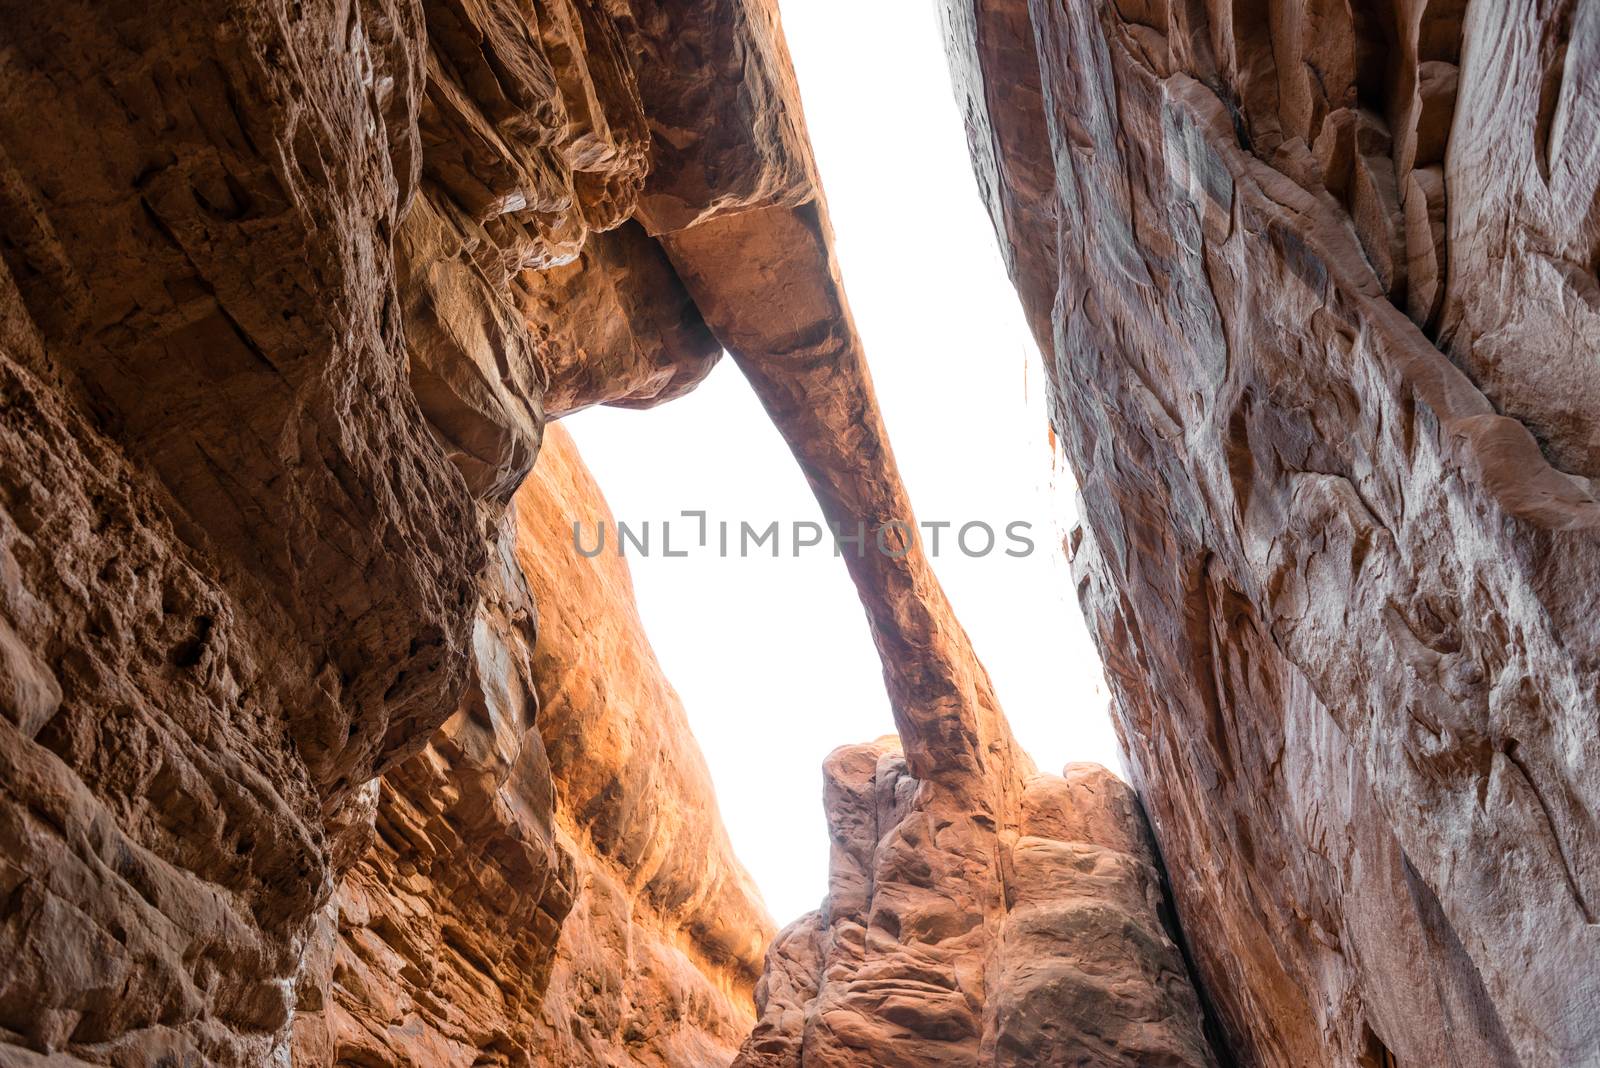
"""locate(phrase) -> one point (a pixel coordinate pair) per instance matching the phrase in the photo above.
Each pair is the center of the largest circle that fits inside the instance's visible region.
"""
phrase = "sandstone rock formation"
(1058, 956)
(315, 751)
(320, 746)
(239, 572)
(633, 797)
(548, 881)
(1316, 287)
(285, 289)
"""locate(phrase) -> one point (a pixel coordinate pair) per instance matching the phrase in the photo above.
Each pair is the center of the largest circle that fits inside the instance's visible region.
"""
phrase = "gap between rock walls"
(320, 746)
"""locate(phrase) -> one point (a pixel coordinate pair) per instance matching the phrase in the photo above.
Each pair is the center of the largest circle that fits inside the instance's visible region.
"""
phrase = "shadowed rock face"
(287, 291)
(1319, 326)
(239, 572)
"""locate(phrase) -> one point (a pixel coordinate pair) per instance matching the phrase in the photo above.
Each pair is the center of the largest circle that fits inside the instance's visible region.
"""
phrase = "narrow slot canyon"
(326, 743)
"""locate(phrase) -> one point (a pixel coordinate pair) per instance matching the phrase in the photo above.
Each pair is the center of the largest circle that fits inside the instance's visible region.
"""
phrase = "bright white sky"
(772, 657)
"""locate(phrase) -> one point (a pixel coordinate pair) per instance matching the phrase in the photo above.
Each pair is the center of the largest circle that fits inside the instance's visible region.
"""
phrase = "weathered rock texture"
(321, 746)
(239, 571)
(634, 802)
(1057, 956)
(593, 819)
(289, 289)
(1316, 285)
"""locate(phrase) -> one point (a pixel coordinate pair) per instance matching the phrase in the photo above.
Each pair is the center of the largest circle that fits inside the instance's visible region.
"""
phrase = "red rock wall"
(1319, 326)
(240, 573)
(289, 290)
(548, 881)
(662, 891)
(320, 747)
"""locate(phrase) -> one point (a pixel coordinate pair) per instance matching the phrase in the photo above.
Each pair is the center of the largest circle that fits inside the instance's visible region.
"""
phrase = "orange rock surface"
(1044, 944)
(320, 745)
(549, 882)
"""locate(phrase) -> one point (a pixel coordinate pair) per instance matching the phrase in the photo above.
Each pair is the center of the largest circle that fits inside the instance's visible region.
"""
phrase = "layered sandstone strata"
(1316, 287)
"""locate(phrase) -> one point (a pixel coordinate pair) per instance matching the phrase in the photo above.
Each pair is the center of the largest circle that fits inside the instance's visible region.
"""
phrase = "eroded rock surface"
(1058, 956)
(926, 954)
(549, 882)
(958, 930)
(289, 292)
(240, 574)
(1319, 326)
(663, 892)
(320, 745)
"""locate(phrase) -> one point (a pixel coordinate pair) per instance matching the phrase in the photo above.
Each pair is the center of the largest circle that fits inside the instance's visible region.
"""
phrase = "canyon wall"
(289, 291)
(548, 881)
(319, 744)
(1316, 288)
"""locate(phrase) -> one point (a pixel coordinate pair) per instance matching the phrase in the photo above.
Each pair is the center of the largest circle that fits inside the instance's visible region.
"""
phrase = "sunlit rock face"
(1316, 288)
(548, 882)
(1057, 955)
